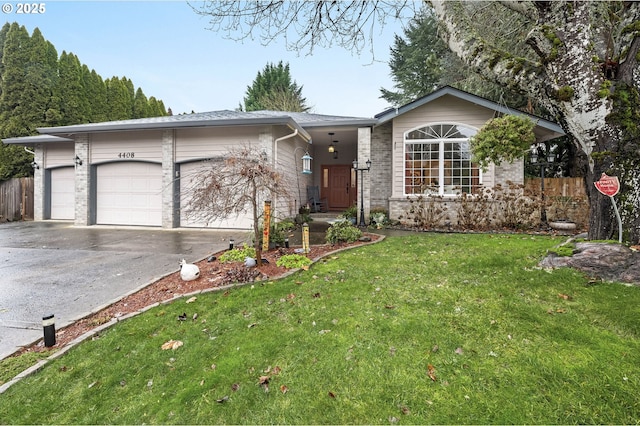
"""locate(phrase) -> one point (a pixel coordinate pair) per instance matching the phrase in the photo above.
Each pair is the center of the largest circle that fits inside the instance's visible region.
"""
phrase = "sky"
(167, 50)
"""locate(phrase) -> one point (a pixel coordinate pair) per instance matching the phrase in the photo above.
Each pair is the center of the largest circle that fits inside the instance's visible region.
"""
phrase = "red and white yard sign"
(608, 185)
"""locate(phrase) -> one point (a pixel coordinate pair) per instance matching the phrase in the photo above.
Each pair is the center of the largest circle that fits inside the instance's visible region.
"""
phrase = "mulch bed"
(213, 275)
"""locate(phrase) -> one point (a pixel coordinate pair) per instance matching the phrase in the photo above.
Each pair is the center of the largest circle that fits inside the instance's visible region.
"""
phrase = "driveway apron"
(57, 268)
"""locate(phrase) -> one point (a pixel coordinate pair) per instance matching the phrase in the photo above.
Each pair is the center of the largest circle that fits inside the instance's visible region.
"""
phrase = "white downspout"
(274, 207)
(275, 146)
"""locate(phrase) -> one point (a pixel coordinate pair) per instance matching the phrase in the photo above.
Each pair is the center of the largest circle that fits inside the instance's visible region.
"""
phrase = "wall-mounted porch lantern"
(77, 160)
(306, 164)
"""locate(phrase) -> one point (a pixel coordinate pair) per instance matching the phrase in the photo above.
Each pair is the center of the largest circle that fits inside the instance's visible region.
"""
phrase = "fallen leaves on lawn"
(172, 344)
(431, 372)
(564, 296)
(192, 299)
(284, 389)
(264, 382)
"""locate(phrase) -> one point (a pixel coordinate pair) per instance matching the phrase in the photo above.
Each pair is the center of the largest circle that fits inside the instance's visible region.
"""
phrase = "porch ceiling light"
(331, 146)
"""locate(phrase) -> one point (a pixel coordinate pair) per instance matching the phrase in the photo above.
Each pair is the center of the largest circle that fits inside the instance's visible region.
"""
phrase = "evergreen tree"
(156, 108)
(421, 62)
(96, 91)
(95, 94)
(274, 89)
(41, 77)
(39, 89)
(141, 107)
(74, 103)
(416, 61)
(15, 59)
(3, 37)
(119, 104)
(131, 94)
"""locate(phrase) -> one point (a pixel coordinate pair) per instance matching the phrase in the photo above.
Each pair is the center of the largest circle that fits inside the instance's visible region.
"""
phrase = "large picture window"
(438, 160)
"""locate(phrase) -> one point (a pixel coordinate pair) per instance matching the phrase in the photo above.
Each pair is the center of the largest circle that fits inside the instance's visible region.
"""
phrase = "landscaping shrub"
(238, 254)
(292, 261)
(515, 207)
(378, 217)
(474, 211)
(342, 231)
(426, 212)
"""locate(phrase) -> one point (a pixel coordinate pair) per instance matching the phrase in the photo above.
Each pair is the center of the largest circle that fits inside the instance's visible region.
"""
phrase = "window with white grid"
(438, 160)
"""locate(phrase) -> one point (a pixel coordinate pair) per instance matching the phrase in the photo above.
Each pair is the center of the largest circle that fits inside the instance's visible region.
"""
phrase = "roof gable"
(392, 113)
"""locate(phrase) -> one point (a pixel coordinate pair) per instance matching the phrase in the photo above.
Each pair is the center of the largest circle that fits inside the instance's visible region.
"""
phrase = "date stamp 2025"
(24, 8)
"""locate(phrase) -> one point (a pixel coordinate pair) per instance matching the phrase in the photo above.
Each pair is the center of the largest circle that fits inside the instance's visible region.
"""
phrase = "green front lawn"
(429, 328)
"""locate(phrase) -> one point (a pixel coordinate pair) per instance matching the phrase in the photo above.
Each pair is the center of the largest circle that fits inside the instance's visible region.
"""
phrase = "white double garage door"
(130, 193)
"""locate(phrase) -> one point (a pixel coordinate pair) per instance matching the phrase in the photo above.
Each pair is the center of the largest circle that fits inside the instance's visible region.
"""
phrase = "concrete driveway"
(57, 268)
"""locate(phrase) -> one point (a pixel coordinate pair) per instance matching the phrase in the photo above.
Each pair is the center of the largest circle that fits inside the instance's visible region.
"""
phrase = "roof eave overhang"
(341, 123)
(34, 140)
(138, 126)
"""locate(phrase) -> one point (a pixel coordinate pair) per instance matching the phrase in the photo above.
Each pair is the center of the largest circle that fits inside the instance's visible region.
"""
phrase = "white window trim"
(440, 155)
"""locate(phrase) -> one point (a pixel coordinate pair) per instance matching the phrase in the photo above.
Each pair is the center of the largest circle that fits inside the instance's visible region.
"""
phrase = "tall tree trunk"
(576, 78)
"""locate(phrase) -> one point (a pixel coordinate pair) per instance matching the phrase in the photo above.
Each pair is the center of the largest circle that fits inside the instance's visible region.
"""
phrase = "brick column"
(83, 181)
(364, 154)
(382, 157)
(38, 184)
(170, 217)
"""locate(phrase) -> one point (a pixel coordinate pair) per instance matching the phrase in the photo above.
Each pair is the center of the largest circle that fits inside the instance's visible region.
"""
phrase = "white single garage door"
(129, 193)
(189, 179)
(63, 193)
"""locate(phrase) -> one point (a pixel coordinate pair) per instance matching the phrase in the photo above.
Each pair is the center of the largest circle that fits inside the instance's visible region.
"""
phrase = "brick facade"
(83, 181)
(39, 184)
(170, 214)
(381, 159)
(364, 186)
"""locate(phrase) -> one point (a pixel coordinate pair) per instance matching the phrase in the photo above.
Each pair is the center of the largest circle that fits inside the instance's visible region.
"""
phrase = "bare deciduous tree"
(237, 183)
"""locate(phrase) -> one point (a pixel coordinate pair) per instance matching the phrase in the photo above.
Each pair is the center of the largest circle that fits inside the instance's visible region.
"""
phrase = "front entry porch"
(339, 186)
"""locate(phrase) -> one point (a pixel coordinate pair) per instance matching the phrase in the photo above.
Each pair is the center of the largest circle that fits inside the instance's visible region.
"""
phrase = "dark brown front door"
(338, 186)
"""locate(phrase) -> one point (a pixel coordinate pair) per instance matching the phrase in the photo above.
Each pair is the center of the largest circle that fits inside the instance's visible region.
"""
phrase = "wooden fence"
(565, 187)
(16, 199)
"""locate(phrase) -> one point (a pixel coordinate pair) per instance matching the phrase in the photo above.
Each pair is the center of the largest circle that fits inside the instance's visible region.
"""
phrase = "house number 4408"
(126, 155)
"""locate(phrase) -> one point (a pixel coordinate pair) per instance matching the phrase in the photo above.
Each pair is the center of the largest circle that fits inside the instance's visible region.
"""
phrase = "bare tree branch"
(305, 25)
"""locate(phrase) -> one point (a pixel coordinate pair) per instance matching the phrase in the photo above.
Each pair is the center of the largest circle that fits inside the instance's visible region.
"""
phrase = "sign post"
(266, 225)
(610, 186)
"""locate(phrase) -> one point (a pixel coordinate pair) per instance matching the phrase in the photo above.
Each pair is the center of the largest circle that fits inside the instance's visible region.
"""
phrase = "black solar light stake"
(49, 328)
